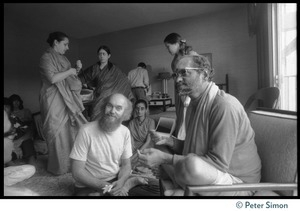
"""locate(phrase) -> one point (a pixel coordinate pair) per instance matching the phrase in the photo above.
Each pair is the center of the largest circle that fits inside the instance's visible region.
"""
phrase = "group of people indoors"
(213, 142)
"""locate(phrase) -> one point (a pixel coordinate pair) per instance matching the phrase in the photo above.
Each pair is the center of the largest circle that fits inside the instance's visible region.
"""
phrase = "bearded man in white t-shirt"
(101, 153)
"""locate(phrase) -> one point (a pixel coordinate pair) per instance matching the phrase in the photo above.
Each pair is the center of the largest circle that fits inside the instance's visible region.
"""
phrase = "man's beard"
(108, 123)
(183, 89)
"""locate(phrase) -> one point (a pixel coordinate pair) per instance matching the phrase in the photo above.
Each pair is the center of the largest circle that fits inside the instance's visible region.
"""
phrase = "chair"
(276, 140)
(226, 84)
(266, 97)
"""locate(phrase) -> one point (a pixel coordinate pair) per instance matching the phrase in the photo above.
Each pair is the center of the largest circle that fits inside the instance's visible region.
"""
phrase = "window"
(285, 53)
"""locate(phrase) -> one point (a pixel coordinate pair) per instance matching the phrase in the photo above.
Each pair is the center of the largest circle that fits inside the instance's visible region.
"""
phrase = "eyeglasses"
(183, 72)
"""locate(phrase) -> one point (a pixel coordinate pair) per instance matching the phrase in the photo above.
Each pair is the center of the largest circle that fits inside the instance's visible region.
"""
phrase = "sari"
(139, 132)
(61, 110)
(107, 81)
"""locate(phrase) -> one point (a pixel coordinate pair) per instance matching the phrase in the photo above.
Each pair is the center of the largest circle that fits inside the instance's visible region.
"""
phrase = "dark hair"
(7, 102)
(14, 97)
(104, 47)
(142, 64)
(59, 36)
(141, 101)
(174, 38)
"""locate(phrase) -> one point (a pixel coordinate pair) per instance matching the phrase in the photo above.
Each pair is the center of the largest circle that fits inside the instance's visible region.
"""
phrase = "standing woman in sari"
(60, 102)
(177, 47)
(107, 78)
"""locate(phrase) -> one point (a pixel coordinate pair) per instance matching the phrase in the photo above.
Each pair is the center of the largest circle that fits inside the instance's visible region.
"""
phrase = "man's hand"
(121, 192)
(117, 187)
(152, 157)
(160, 140)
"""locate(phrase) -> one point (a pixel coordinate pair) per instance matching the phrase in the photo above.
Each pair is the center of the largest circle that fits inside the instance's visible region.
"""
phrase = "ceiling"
(83, 20)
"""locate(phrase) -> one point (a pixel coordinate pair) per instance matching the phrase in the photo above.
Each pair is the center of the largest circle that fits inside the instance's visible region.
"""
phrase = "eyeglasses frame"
(183, 71)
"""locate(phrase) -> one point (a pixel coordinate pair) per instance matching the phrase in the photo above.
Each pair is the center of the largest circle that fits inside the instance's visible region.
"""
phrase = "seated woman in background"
(139, 128)
(107, 78)
(22, 135)
(14, 174)
(18, 109)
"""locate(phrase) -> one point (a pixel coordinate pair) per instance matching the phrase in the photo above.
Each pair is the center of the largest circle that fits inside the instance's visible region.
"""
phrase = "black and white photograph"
(88, 87)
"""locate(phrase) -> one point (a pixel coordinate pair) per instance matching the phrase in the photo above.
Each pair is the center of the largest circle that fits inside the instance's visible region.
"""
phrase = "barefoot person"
(101, 154)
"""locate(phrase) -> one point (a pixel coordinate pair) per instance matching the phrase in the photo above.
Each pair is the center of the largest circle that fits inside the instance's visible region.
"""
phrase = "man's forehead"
(117, 100)
(185, 62)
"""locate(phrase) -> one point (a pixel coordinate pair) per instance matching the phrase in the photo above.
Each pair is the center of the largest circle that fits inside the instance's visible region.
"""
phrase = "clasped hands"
(152, 157)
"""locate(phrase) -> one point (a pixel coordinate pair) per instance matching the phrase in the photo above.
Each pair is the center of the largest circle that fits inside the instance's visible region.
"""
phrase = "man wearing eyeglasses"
(219, 147)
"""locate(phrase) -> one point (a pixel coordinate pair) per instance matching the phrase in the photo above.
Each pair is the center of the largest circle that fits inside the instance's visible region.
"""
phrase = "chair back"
(276, 140)
(267, 97)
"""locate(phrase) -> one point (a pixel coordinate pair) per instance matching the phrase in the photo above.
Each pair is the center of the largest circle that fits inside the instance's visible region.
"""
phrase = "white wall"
(224, 34)
(23, 47)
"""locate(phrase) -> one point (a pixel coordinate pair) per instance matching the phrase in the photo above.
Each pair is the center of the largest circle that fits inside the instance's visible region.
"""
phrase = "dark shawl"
(107, 81)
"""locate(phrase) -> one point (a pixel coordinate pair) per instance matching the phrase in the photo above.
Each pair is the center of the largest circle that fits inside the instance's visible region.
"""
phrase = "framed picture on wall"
(209, 56)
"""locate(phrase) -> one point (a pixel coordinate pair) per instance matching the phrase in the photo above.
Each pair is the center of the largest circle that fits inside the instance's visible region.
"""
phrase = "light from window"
(285, 53)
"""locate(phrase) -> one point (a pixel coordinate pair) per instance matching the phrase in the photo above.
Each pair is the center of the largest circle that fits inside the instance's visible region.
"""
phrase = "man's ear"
(205, 74)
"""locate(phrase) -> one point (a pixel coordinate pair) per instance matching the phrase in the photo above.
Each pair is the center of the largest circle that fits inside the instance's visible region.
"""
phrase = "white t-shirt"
(101, 150)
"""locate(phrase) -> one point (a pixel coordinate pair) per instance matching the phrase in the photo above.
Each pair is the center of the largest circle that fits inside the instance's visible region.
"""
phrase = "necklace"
(141, 122)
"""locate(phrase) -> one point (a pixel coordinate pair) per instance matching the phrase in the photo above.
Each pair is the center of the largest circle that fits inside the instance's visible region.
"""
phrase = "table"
(160, 102)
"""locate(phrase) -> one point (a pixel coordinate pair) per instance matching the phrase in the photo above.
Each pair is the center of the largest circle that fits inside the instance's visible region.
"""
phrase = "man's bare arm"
(81, 175)
(124, 170)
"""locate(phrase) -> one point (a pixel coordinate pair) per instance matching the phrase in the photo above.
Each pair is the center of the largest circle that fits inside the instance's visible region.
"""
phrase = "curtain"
(260, 24)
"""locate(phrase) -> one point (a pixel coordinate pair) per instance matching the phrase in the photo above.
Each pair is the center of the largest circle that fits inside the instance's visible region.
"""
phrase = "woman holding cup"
(60, 102)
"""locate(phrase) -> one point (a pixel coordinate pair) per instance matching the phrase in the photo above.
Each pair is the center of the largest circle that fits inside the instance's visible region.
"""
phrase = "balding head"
(120, 100)
(197, 61)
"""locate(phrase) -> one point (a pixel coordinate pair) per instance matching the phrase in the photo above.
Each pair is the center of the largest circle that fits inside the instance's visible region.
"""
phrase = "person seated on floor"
(139, 128)
(14, 174)
(101, 155)
(22, 135)
(18, 110)
(219, 147)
